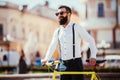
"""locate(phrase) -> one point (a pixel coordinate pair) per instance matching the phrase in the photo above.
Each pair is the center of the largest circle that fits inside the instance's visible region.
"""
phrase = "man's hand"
(92, 61)
(44, 62)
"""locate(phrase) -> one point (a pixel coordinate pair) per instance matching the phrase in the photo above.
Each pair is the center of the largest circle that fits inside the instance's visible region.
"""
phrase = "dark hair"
(37, 54)
(22, 53)
(66, 7)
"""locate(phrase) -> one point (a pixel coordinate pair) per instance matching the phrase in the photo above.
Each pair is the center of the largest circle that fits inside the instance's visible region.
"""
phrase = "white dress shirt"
(65, 37)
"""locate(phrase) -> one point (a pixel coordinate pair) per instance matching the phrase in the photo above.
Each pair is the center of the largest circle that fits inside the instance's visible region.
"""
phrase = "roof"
(9, 5)
(44, 11)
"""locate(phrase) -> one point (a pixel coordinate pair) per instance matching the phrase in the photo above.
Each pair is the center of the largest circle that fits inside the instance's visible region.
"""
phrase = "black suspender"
(73, 31)
(73, 40)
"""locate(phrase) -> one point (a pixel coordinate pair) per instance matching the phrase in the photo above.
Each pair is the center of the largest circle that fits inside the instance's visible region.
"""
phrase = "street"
(48, 76)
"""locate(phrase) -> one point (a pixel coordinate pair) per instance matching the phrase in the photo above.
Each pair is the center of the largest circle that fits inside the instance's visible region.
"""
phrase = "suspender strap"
(73, 41)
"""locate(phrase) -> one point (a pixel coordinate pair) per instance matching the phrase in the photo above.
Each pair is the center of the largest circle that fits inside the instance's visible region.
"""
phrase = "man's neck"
(66, 24)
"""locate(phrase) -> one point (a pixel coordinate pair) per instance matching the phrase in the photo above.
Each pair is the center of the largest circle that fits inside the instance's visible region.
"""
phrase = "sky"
(54, 4)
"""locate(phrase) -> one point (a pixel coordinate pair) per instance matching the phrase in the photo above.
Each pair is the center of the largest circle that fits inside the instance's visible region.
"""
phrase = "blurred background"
(29, 25)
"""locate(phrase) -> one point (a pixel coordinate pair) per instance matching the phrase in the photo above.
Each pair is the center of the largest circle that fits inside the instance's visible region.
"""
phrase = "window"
(100, 10)
(1, 30)
(13, 32)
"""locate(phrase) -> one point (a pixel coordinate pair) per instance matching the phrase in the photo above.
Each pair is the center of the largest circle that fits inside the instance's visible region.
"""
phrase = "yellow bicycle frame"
(93, 77)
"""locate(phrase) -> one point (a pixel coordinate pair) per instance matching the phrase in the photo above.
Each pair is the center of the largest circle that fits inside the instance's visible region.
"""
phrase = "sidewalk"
(36, 76)
(48, 76)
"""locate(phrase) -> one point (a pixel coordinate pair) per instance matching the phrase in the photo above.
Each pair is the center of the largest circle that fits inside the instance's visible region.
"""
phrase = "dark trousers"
(73, 65)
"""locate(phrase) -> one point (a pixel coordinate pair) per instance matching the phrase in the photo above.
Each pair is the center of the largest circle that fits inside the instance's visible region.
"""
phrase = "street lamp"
(103, 45)
(7, 38)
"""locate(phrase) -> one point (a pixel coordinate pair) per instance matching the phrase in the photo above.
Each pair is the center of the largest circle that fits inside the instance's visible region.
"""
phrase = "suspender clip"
(73, 58)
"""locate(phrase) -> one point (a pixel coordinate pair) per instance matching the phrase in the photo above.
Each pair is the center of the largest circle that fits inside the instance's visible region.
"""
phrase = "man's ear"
(69, 14)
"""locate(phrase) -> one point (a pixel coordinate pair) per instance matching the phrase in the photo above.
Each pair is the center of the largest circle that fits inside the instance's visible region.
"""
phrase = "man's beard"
(63, 21)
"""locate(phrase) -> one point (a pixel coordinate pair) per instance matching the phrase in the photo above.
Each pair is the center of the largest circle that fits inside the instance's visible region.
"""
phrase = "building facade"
(30, 30)
(102, 19)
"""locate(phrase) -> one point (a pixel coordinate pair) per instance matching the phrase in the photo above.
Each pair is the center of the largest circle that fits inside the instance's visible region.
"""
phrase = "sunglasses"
(61, 13)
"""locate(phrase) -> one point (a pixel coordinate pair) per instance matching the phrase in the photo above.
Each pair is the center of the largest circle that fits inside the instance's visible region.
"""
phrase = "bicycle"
(55, 72)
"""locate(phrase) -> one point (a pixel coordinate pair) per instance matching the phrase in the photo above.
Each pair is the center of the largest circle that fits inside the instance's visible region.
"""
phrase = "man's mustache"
(61, 17)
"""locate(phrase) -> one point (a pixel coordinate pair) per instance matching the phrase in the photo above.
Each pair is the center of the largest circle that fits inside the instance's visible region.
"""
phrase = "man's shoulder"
(77, 25)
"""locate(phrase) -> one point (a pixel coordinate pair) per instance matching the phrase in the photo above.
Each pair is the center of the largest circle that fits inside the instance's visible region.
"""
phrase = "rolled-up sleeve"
(87, 37)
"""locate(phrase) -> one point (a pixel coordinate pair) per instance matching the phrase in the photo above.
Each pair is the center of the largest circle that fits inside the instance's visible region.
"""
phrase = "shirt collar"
(69, 24)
